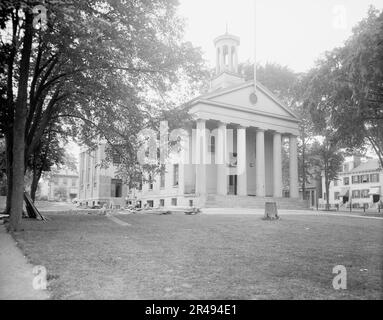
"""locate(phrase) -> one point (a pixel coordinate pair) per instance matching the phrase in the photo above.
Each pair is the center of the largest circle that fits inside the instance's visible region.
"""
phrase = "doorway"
(233, 184)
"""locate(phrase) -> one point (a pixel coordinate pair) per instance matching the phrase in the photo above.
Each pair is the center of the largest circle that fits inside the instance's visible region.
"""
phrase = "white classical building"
(245, 127)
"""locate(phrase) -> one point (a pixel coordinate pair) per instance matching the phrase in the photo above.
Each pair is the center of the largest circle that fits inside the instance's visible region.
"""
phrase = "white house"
(360, 184)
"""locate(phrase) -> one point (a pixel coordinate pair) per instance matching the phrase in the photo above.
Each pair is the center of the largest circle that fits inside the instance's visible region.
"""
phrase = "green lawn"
(206, 256)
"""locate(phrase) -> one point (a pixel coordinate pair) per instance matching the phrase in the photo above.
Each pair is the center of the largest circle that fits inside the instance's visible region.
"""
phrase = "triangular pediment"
(240, 96)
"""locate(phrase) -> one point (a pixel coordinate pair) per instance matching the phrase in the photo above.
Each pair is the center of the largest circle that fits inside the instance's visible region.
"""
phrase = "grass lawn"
(206, 256)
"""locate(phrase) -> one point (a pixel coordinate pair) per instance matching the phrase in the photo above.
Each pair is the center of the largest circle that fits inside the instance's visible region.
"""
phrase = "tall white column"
(277, 164)
(217, 60)
(260, 163)
(294, 192)
(221, 159)
(221, 59)
(201, 151)
(236, 60)
(241, 162)
(230, 57)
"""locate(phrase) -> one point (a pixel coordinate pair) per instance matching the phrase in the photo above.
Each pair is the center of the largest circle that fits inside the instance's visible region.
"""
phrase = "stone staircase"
(232, 201)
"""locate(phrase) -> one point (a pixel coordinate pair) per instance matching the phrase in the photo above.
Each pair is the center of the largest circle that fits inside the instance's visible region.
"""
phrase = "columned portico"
(241, 161)
(245, 156)
(294, 192)
(260, 163)
(277, 165)
(221, 159)
(201, 152)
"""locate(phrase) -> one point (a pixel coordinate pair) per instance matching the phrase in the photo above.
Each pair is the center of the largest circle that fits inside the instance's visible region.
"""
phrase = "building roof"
(370, 165)
(250, 83)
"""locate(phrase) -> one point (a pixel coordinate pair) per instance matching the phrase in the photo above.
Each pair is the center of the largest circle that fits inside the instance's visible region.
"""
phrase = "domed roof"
(227, 36)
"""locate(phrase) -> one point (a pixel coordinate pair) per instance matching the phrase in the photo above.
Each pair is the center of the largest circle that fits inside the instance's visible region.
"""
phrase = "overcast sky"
(290, 32)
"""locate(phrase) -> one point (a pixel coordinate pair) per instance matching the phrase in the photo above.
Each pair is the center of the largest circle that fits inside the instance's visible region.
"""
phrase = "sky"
(293, 33)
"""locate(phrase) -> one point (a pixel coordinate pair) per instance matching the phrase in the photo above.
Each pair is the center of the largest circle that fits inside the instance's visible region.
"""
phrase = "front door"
(233, 184)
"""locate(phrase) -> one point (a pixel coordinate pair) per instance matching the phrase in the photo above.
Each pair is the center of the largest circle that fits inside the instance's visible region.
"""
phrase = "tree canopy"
(345, 89)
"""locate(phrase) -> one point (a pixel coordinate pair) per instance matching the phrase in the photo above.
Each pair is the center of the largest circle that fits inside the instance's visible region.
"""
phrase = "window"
(346, 181)
(82, 166)
(116, 157)
(175, 174)
(345, 167)
(150, 203)
(88, 168)
(364, 193)
(355, 179)
(374, 177)
(150, 182)
(174, 201)
(212, 145)
(324, 196)
(190, 203)
(162, 177)
(162, 202)
(336, 195)
(355, 194)
(73, 182)
(94, 154)
(365, 178)
(116, 188)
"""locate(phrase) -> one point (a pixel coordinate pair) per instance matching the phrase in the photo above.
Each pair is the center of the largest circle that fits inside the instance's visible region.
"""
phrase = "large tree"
(347, 86)
(327, 157)
(93, 69)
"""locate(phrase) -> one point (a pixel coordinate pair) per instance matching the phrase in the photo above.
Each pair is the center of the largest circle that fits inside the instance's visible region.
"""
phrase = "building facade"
(62, 186)
(99, 185)
(234, 146)
(360, 184)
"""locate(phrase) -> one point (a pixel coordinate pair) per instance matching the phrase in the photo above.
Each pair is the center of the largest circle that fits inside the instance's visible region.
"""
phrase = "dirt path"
(16, 276)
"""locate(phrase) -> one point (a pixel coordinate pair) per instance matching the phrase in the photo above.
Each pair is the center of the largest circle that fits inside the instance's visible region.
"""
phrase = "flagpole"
(255, 46)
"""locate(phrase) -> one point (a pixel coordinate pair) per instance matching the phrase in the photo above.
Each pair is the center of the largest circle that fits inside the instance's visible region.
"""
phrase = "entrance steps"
(232, 201)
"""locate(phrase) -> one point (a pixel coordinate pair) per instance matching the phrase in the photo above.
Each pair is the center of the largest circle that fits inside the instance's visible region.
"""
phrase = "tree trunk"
(19, 127)
(8, 161)
(303, 171)
(327, 184)
(35, 183)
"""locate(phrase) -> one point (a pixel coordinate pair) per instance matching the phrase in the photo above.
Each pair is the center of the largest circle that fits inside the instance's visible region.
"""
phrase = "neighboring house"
(313, 191)
(359, 184)
(63, 185)
(99, 185)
